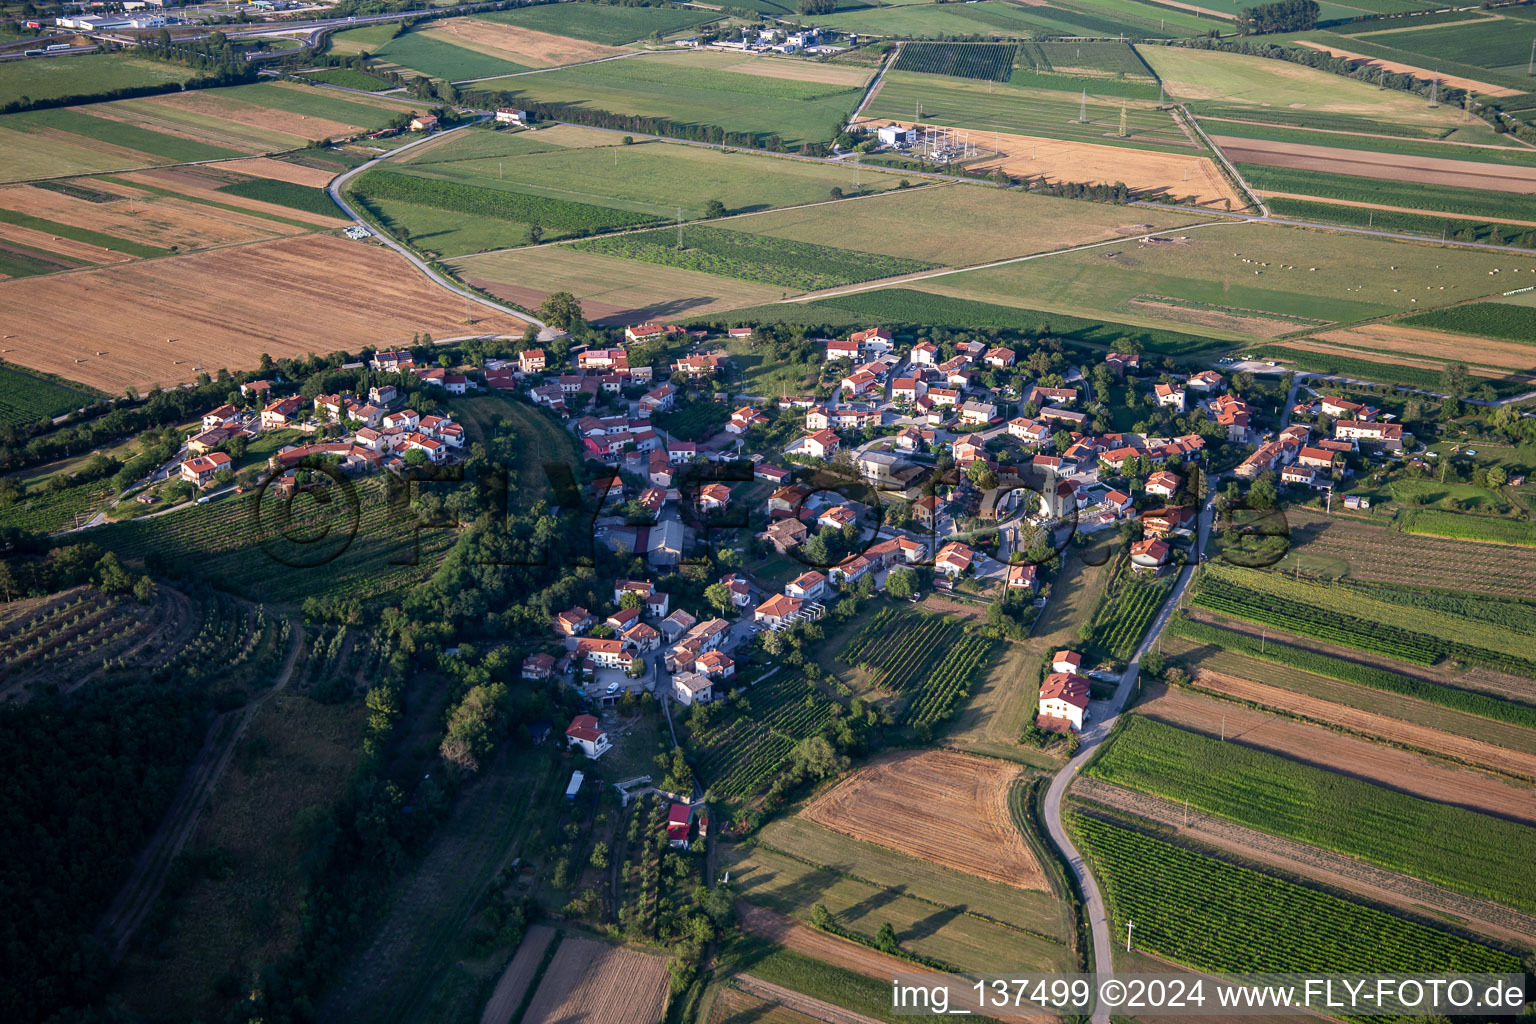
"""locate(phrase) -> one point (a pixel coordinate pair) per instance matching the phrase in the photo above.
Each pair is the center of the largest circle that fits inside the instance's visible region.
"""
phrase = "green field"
(349, 79)
(1282, 272)
(1435, 523)
(1485, 319)
(601, 23)
(652, 178)
(438, 58)
(367, 38)
(285, 193)
(1352, 188)
(1495, 44)
(1505, 154)
(1449, 846)
(1103, 58)
(1426, 224)
(1018, 108)
(27, 398)
(803, 266)
(997, 19)
(1265, 923)
(694, 89)
(1122, 617)
(85, 74)
(985, 61)
(82, 235)
(164, 145)
(789, 886)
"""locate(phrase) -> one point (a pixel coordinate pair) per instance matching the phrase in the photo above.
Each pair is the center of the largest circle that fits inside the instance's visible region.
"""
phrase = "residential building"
(588, 736)
(692, 687)
(1063, 702)
(200, 469)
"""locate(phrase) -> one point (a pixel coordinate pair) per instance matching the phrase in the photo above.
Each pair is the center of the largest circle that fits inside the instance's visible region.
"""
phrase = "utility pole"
(1128, 926)
(1082, 115)
(1434, 93)
(1530, 68)
(1124, 124)
(679, 227)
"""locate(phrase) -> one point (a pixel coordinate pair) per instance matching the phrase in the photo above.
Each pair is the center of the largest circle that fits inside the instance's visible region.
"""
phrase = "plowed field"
(591, 982)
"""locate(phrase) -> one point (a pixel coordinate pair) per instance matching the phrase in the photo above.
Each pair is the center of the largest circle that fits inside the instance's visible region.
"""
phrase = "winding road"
(1104, 714)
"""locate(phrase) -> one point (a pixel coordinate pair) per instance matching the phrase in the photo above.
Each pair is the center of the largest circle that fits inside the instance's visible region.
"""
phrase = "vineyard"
(1436, 523)
(44, 510)
(781, 261)
(1266, 924)
(1472, 702)
(989, 62)
(1485, 319)
(557, 217)
(740, 754)
(244, 547)
(1319, 612)
(896, 647)
(640, 873)
(25, 398)
(949, 683)
(1123, 615)
(1460, 849)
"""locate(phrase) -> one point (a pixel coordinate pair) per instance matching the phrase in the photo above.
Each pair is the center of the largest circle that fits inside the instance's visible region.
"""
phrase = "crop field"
(1489, 151)
(1373, 364)
(349, 79)
(1233, 83)
(305, 198)
(740, 753)
(1029, 909)
(1486, 530)
(985, 61)
(1125, 612)
(888, 802)
(611, 290)
(1106, 18)
(214, 309)
(950, 681)
(1018, 108)
(698, 89)
(243, 544)
(1382, 217)
(1206, 635)
(789, 886)
(919, 223)
(1484, 319)
(1266, 923)
(651, 177)
(436, 53)
(83, 75)
(1410, 192)
(25, 398)
(592, 981)
(1243, 269)
(1472, 853)
(802, 266)
(600, 23)
(1494, 44)
(516, 44)
(1084, 58)
(896, 647)
(1354, 619)
(46, 511)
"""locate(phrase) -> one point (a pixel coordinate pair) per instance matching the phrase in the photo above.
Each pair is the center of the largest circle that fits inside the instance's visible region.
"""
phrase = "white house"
(584, 732)
(1068, 662)
(688, 687)
(808, 586)
(1063, 702)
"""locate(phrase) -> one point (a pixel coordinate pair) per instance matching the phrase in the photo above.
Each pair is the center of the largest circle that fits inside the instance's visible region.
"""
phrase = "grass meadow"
(601, 23)
(83, 74)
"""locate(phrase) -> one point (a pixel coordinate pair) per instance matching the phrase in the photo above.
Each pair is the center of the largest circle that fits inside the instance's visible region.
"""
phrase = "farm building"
(679, 823)
(1063, 702)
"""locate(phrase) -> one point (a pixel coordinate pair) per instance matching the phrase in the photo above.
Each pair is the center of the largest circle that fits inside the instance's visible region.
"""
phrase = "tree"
(631, 599)
(719, 595)
(636, 667)
(535, 234)
(713, 209)
(1497, 476)
(815, 758)
(901, 583)
(821, 917)
(885, 939)
(562, 311)
(981, 474)
(773, 642)
(815, 6)
(1262, 494)
(837, 193)
(143, 590)
(111, 576)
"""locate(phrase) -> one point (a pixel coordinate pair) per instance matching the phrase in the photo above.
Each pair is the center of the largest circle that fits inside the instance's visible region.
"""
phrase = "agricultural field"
(1266, 924)
(1126, 610)
(888, 803)
(1476, 854)
(1106, 18)
(742, 750)
(989, 62)
(1023, 107)
(591, 980)
(610, 290)
(1254, 277)
(437, 53)
(347, 293)
(26, 398)
(86, 74)
(651, 177)
(349, 79)
(789, 886)
(925, 659)
(752, 95)
(801, 266)
(919, 223)
(1483, 319)
(600, 23)
(1412, 187)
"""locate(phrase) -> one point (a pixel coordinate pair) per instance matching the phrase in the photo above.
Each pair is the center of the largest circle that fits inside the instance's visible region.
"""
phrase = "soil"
(1355, 353)
(591, 982)
(520, 45)
(939, 805)
(1353, 755)
(1425, 170)
(512, 986)
(1470, 84)
(1258, 326)
(1397, 339)
(66, 247)
(1316, 863)
(279, 170)
(159, 221)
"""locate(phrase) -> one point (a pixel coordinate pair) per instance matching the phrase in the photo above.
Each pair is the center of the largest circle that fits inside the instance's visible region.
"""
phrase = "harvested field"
(279, 170)
(799, 70)
(1394, 730)
(513, 984)
(519, 45)
(1316, 863)
(892, 802)
(1215, 319)
(1311, 345)
(1332, 201)
(591, 982)
(1424, 170)
(1399, 68)
(40, 151)
(1146, 172)
(611, 290)
(1348, 755)
(67, 247)
(750, 1000)
(303, 126)
(210, 125)
(1394, 339)
(196, 186)
(159, 221)
(217, 309)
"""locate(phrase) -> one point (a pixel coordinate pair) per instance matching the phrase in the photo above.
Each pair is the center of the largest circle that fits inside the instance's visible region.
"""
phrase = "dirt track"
(1425, 170)
(1348, 755)
(1316, 863)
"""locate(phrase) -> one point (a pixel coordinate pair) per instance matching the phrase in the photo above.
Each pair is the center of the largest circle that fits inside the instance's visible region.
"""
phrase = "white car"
(613, 688)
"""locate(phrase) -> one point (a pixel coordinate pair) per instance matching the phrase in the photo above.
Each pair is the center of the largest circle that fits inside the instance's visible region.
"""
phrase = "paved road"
(1105, 713)
(545, 331)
